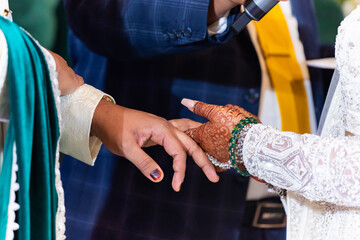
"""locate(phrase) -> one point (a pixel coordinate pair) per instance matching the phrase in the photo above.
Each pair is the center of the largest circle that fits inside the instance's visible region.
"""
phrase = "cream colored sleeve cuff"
(77, 111)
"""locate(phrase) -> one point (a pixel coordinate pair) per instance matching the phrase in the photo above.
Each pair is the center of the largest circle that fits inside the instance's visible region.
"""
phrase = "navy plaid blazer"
(144, 28)
(133, 54)
(113, 200)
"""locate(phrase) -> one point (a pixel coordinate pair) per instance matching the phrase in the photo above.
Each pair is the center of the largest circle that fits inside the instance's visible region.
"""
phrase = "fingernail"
(179, 188)
(155, 175)
(188, 103)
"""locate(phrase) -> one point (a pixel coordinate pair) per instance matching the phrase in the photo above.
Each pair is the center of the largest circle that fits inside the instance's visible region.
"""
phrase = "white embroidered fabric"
(323, 169)
(13, 205)
(60, 214)
(4, 116)
(75, 113)
(12, 226)
(321, 174)
(4, 94)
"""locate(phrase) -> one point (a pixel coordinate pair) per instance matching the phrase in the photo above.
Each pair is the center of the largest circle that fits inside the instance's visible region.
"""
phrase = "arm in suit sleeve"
(77, 110)
(125, 29)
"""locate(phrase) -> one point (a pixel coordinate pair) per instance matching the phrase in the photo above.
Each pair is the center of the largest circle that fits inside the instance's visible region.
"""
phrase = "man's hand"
(68, 80)
(218, 8)
(124, 131)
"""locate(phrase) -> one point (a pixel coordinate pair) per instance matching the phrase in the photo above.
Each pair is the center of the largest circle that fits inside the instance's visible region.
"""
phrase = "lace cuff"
(322, 169)
(77, 111)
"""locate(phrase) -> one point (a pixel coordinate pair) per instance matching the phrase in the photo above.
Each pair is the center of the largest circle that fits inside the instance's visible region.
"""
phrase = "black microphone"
(254, 10)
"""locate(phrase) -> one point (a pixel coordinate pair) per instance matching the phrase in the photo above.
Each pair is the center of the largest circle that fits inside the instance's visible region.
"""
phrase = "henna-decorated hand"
(214, 135)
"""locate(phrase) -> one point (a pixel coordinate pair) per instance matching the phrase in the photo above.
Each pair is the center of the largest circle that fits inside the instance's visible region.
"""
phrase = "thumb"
(145, 164)
(194, 133)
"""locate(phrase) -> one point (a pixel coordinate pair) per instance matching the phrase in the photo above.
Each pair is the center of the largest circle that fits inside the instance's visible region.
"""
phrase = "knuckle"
(193, 149)
(178, 167)
(199, 107)
(163, 124)
(119, 149)
(188, 122)
(173, 121)
(145, 164)
(80, 80)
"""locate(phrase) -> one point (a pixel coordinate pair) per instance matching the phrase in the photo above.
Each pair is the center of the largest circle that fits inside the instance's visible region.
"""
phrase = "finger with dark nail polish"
(155, 175)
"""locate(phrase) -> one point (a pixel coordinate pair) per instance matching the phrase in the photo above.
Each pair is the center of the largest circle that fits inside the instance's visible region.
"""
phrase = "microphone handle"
(254, 10)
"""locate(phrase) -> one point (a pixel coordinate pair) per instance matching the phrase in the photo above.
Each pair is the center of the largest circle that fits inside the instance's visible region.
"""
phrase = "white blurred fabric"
(321, 174)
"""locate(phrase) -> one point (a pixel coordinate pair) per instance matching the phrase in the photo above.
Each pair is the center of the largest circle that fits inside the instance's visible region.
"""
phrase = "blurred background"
(46, 21)
(227, 73)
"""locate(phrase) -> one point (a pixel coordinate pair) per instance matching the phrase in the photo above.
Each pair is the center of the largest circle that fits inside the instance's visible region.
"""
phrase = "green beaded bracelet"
(232, 142)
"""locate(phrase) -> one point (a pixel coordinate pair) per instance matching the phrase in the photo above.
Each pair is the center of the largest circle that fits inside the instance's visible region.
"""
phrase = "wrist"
(236, 144)
(100, 115)
(240, 142)
(239, 146)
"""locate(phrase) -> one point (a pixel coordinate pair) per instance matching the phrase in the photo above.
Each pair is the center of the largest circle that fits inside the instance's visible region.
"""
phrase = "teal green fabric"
(329, 16)
(33, 127)
(45, 20)
(38, 17)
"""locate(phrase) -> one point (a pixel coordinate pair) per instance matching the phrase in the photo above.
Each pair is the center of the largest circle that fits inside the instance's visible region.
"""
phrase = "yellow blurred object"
(284, 70)
(349, 5)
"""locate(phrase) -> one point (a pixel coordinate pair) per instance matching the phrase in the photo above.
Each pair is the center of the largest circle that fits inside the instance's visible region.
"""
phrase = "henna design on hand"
(214, 136)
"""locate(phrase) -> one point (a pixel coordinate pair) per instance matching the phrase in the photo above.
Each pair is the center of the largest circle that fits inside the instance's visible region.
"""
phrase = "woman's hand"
(125, 131)
(68, 80)
(214, 135)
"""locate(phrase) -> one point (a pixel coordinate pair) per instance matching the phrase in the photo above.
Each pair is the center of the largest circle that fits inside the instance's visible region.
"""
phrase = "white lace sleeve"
(77, 110)
(318, 168)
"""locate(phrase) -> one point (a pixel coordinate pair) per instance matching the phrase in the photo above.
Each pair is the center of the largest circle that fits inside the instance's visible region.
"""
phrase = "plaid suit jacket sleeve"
(125, 29)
